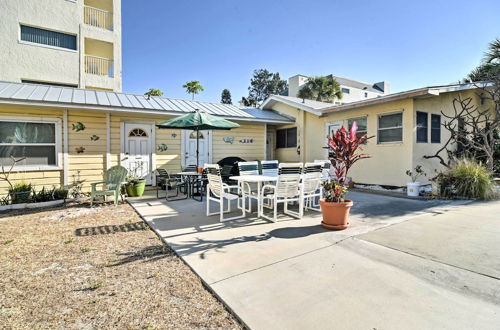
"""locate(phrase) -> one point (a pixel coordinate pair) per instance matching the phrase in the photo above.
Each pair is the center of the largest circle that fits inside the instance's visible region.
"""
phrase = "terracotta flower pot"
(335, 215)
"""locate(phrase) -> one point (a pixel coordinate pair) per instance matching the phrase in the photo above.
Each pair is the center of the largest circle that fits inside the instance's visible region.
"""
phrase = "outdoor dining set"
(264, 184)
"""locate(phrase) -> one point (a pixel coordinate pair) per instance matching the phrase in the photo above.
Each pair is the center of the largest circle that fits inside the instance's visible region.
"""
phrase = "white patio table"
(259, 179)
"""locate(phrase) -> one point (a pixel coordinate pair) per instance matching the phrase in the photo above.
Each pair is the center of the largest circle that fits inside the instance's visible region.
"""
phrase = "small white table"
(259, 179)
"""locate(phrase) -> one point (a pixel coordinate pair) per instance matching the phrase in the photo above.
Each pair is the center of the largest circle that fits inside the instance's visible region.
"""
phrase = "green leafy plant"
(193, 87)
(20, 192)
(335, 192)
(472, 180)
(134, 176)
(417, 172)
(60, 193)
(43, 195)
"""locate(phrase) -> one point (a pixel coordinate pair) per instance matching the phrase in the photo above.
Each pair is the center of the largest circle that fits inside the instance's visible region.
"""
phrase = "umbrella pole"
(197, 149)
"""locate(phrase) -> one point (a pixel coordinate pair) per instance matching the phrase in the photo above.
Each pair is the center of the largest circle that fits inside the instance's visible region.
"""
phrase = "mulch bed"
(101, 267)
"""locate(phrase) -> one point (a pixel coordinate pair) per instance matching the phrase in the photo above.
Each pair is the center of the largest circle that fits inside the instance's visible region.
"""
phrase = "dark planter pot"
(20, 197)
(136, 188)
(335, 215)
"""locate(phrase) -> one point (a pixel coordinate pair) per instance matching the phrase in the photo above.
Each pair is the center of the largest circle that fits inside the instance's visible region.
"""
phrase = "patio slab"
(279, 275)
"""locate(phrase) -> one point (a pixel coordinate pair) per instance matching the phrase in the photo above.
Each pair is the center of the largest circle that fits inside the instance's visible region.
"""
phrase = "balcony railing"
(99, 65)
(97, 17)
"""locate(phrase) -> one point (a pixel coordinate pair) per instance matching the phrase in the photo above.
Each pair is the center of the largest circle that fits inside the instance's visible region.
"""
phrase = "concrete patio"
(402, 264)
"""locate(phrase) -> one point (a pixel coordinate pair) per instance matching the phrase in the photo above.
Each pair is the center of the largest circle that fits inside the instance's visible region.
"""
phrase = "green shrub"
(20, 192)
(44, 195)
(472, 180)
(60, 193)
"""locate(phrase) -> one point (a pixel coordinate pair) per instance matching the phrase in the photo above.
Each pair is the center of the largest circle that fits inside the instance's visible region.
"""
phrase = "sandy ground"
(77, 267)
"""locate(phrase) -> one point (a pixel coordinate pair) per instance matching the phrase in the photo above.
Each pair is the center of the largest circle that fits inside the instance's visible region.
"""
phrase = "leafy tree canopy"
(489, 69)
(321, 89)
(153, 92)
(248, 102)
(225, 97)
(193, 87)
(264, 83)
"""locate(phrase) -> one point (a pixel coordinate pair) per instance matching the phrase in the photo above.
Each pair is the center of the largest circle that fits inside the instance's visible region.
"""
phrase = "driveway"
(402, 264)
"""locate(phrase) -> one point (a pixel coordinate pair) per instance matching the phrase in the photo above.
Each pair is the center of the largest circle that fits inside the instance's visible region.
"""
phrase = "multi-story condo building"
(73, 43)
(352, 90)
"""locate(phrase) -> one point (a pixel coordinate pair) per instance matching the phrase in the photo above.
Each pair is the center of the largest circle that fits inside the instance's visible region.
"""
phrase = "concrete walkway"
(403, 264)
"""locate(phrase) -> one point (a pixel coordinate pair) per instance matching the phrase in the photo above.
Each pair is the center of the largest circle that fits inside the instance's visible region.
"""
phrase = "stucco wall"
(23, 61)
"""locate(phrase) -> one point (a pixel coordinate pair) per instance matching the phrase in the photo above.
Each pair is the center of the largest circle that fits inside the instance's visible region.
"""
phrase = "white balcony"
(97, 17)
(99, 66)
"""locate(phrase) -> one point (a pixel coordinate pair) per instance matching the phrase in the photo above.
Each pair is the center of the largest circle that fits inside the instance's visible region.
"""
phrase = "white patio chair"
(327, 168)
(286, 190)
(249, 191)
(269, 167)
(312, 189)
(218, 191)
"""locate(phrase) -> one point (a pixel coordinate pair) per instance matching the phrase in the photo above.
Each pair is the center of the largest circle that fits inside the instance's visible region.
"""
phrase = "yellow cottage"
(69, 134)
(406, 127)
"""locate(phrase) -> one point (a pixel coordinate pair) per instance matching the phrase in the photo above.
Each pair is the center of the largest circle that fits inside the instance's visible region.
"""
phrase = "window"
(361, 121)
(37, 142)
(47, 83)
(422, 127)
(390, 128)
(345, 90)
(49, 38)
(286, 138)
(137, 132)
(435, 128)
(193, 135)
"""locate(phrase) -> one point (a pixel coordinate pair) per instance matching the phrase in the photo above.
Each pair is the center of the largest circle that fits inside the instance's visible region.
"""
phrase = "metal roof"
(25, 93)
(356, 84)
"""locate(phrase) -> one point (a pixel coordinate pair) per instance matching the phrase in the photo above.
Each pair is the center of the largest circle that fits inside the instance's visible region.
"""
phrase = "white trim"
(291, 103)
(65, 148)
(108, 141)
(58, 143)
(327, 132)
(151, 137)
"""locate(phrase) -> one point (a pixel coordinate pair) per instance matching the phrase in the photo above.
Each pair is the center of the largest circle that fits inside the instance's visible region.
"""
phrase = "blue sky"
(411, 44)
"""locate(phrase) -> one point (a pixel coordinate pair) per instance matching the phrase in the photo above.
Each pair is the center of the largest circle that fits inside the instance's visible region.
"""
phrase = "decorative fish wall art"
(228, 140)
(162, 147)
(79, 126)
(94, 138)
(174, 135)
(246, 141)
(80, 150)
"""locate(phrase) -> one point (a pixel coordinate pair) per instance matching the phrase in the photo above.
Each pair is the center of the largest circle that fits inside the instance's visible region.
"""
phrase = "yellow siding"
(37, 178)
(388, 162)
(247, 151)
(290, 154)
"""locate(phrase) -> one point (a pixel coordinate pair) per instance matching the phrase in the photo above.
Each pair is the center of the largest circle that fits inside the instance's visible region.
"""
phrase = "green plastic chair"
(111, 185)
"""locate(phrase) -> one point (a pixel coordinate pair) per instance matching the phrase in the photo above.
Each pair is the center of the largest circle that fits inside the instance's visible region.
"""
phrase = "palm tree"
(321, 89)
(193, 87)
(492, 55)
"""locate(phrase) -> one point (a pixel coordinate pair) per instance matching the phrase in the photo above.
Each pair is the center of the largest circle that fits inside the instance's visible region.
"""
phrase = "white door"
(269, 145)
(190, 147)
(138, 149)
(331, 128)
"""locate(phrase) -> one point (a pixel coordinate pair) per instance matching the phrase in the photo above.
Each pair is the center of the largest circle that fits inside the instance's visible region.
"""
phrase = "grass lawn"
(96, 268)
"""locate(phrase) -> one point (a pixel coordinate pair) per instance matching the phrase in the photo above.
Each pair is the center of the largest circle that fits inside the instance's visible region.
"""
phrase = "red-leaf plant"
(342, 147)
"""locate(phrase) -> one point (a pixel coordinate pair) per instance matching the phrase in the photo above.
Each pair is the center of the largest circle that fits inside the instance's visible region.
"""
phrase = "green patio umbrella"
(198, 120)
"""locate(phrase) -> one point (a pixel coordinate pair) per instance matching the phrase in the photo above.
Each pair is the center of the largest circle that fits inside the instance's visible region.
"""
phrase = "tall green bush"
(472, 180)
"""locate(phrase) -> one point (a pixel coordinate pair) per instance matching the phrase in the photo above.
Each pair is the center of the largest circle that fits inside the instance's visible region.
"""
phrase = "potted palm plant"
(342, 147)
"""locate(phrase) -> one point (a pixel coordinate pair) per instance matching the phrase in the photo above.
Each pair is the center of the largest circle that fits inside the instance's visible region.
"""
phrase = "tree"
(225, 97)
(264, 83)
(490, 66)
(321, 89)
(305, 93)
(248, 102)
(153, 92)
(475, 130)
(193, 87)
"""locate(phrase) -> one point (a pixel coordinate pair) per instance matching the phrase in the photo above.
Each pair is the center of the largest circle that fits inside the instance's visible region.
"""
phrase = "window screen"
(49, 38)
(436, 128)
(422, 127)
(390, 128)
